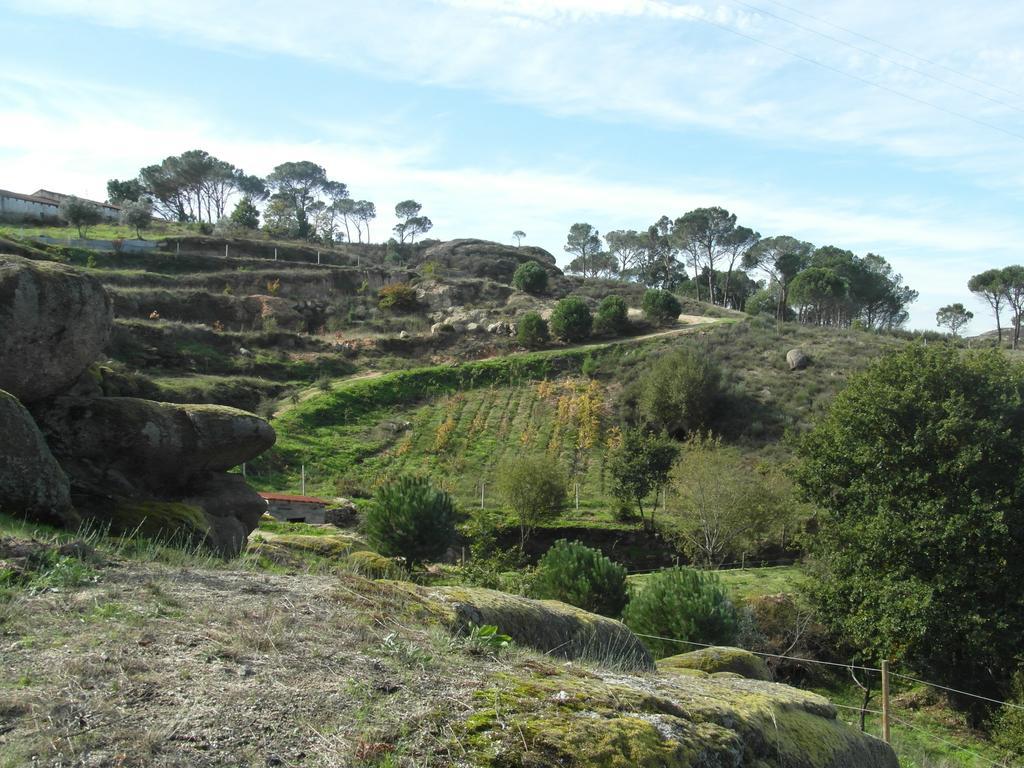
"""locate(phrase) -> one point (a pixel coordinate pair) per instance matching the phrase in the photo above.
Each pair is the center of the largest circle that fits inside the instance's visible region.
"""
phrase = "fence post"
(303, 479)
(482, 483)
(885, 701)
(318, 257)
(275, 254)
(225, 250)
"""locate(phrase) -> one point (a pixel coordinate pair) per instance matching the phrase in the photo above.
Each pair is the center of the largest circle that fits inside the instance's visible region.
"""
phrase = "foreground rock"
(54, 321)
(484, 258)
(717, 660)
(32, 484)
(797, 359)
(546, 625)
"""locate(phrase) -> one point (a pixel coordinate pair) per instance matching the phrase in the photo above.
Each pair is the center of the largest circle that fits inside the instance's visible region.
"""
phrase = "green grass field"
(745, 583)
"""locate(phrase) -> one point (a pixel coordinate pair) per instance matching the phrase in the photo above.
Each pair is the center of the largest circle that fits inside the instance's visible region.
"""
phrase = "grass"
(742, 584)
(158, 231)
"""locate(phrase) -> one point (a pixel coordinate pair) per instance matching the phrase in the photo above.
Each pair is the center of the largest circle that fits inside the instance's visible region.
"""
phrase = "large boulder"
(484, 258)
(546, 625)
(54, 321)
(32, 484)
(718, 659)
(797, 359)
(273, 313)
(121, 444)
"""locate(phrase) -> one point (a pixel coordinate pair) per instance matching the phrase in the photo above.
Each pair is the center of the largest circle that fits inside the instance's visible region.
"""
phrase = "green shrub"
(534, 488)
(532, 331)
(581, 576)
(683, 604)
(530, 277)
(398, 297)
(1008, 724)
(571, 320)
(410, 518)
(612, 316)
(679, 393)
(661, 307)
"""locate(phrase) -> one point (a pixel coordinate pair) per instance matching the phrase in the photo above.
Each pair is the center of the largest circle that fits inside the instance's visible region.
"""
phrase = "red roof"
(290, 497)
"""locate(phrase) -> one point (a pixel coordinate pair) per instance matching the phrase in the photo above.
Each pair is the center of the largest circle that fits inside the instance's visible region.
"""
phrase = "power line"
(876, 41)
(1009, 704)
(878, 56)
(852, 76)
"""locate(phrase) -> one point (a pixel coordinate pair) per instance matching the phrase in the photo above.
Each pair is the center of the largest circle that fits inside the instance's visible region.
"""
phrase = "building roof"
(45, 194)
(291, 497)
(29, 198)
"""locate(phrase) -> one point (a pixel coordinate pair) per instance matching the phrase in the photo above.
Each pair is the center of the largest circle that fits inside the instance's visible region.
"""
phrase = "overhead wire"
(852, 76)
(886, 59)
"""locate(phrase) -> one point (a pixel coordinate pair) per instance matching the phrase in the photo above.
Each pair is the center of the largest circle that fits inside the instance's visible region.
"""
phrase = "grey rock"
(797, 359)
(54, 321)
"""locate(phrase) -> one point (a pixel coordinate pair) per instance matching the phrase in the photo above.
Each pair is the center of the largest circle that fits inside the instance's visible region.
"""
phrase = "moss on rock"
(167, 520)
(373, 565)
(719, 659)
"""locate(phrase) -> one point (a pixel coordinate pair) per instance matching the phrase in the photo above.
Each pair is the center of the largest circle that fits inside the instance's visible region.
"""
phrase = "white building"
(43, 206)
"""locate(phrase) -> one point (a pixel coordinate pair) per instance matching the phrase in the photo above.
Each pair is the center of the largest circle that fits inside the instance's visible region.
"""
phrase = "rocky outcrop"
(273, 312)
(129, 464)
(32, 484)
(546, 625)
(484, 258)
(797, 359)
(717, 660)
(54, 321)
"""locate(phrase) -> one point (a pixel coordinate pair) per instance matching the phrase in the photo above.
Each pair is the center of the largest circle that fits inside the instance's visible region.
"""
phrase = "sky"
(891, 128)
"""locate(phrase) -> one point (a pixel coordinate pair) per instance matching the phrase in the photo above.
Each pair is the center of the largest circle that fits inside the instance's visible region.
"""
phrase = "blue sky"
(832, 122)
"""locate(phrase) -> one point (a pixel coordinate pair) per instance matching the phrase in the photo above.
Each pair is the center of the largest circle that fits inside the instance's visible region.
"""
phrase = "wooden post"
(225, 250)
(177, 247)
(885, 701)
(275, 254)
(243, 469)
(303, 479)
(577, 497)
(318, 257)
(482, 484)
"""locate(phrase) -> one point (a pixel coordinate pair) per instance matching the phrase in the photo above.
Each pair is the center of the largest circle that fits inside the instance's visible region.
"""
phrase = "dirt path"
(693, 322)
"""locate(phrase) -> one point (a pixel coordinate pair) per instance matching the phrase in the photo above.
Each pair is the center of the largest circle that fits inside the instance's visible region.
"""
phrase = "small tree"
(612, 316)
(581, 576)
(138, 215)
(530, 277)
(119, 192)
(584, 241)
(410, 223)
(246, 215)
(534, 488)
(682, 604)
(532, 331)
(661, 307)
(80, 214)
(398, 297)
(518, 235)
(954, 317)
(639, 465)
(680, 392)
(571, 319)
(410, 518)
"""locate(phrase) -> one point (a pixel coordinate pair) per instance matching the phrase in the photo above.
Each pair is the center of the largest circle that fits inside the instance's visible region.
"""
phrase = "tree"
(364, 212)
(819, 293)
(246, 214)
(612, 317)
(128, 190)
(628, 248)
(954, 317)
(410, 518)
(1013, 291)
(781, 258)
(571, 320)
(532, 331)
(584, 241)
(518, 235)
(684, 605)
(989, 286)
(660, 266)
(138, 215)
(581, 576)
(410, 223)
(530, 277)
(721, 505)
(661, 307)
(297, 185)
(639, 466)
(708, 236)
(534, 488)
(917, 468)
(679, 392)
(80, 214)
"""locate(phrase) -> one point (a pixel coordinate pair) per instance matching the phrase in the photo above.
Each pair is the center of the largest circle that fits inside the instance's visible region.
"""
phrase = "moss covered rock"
(547, 625)
(719, 660)
(54, 321)
(32, 484)
(598, 718)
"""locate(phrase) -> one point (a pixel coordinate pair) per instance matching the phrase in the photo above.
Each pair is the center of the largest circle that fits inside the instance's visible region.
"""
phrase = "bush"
(661, 307)
(571, 320)
(534, 487)
(683, 604)
(398, 297)
(410, 518)
(530, 277)
(680, 392)
(532, 331)
(581, 576)
(1008, 725)
(612, 316)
